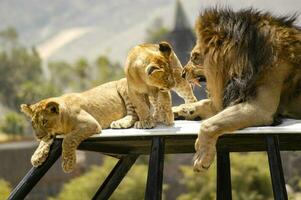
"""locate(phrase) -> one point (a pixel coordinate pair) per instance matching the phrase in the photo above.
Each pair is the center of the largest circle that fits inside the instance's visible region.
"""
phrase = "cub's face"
(45, 117)
(194, 71)
(159, 70)
(160, 74)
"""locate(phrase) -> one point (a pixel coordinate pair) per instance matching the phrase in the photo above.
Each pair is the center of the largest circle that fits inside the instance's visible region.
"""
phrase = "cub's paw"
(168, 119)
(144, 124)
(165, 117)
(40, 155)
(38, 159)
(125, 122)
(68, 163)
(205, 153)
(184, 111)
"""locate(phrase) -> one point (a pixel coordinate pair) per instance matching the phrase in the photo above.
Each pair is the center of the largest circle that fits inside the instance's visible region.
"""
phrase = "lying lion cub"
(80, 115)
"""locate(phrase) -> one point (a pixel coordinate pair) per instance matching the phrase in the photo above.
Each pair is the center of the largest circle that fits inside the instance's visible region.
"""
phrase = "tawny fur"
(80, 115)
(152, 71)
(252, 65)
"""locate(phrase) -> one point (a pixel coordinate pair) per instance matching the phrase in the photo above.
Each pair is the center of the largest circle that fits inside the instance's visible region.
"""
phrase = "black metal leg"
(276, 170)
(155, 170)
(223, 177)
(115, 177)
(35, 174)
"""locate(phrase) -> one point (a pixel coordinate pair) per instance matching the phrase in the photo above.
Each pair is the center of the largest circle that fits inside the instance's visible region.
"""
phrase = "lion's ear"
(26, 109)
(152, 69)
(53, 107)
(165, 49)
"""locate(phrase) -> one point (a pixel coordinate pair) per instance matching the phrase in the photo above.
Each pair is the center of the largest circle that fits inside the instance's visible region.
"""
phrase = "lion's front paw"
(125, 122)
(205, 152)
(144, 124)
(184, 112)
(69, 163)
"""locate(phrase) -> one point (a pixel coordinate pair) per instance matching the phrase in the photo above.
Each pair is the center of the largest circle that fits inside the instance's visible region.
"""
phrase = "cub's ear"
(151, 69)
(26, 109)
(53, 107)
(165, 49)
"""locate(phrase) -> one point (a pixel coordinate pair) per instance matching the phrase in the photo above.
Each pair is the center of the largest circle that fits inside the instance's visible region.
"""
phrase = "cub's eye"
(196, 58)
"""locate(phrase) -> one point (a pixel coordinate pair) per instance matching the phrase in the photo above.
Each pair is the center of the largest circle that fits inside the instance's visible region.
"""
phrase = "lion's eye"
(196, 58)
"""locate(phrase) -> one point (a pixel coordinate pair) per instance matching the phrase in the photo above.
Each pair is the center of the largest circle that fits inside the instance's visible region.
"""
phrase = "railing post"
(155, 170)
(115, 177)
(223, 176)
(36, 173)
(276, 170)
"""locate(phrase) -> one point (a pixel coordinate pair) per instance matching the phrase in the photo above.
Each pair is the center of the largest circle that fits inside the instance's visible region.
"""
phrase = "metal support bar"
(276, 170)
(36, 173)
(155, 170)
(115, 177)
(223, 177)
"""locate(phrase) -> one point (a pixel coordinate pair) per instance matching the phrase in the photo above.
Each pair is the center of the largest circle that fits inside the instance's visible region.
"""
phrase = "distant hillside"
(112, 26)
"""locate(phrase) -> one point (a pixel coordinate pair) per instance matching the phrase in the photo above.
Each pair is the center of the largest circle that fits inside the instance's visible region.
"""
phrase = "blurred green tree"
(62, 75)
(13, 123)
(81, 70)
(9, 38)
(156, 32)
(85, 186)
(107, 70)
(5, 189)
(18, 65)
(250, 180)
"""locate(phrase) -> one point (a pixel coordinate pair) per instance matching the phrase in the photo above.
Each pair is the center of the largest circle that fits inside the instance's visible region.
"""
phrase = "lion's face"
(159, 70)
(45, 117)
(194, 71)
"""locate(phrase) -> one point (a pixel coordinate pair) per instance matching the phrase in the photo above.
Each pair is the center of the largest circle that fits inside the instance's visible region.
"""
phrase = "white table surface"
(182, 127)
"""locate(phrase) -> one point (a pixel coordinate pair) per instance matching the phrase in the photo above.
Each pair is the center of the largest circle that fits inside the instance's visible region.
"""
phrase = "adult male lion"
(252, 64)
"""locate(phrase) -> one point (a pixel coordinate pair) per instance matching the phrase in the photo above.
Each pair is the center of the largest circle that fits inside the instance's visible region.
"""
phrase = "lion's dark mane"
(251, 47)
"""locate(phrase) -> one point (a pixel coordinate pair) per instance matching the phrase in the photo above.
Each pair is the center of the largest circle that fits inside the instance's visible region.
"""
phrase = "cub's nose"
(183, 74)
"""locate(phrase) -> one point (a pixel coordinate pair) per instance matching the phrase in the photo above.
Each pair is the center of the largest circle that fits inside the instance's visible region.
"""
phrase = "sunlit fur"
(152, 70)
(78, 116)
(252, 64)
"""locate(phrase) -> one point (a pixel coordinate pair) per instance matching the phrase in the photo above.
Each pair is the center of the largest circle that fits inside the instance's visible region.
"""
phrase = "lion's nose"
(183, 74)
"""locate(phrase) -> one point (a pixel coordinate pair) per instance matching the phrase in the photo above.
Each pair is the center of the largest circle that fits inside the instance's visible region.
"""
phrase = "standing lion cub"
(152, 71)
(80, 115)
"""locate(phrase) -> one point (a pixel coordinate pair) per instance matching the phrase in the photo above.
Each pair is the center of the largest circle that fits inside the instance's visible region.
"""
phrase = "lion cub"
(152, 71)
(78, 116)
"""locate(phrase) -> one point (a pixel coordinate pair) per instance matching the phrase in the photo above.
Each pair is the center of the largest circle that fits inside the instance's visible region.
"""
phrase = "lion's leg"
(86, 126)
(142, 108)
(41, 153)
(202, 109)
(183, 88)
(164, 111)
(293, 108)
(259, 111)
(131, 116)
